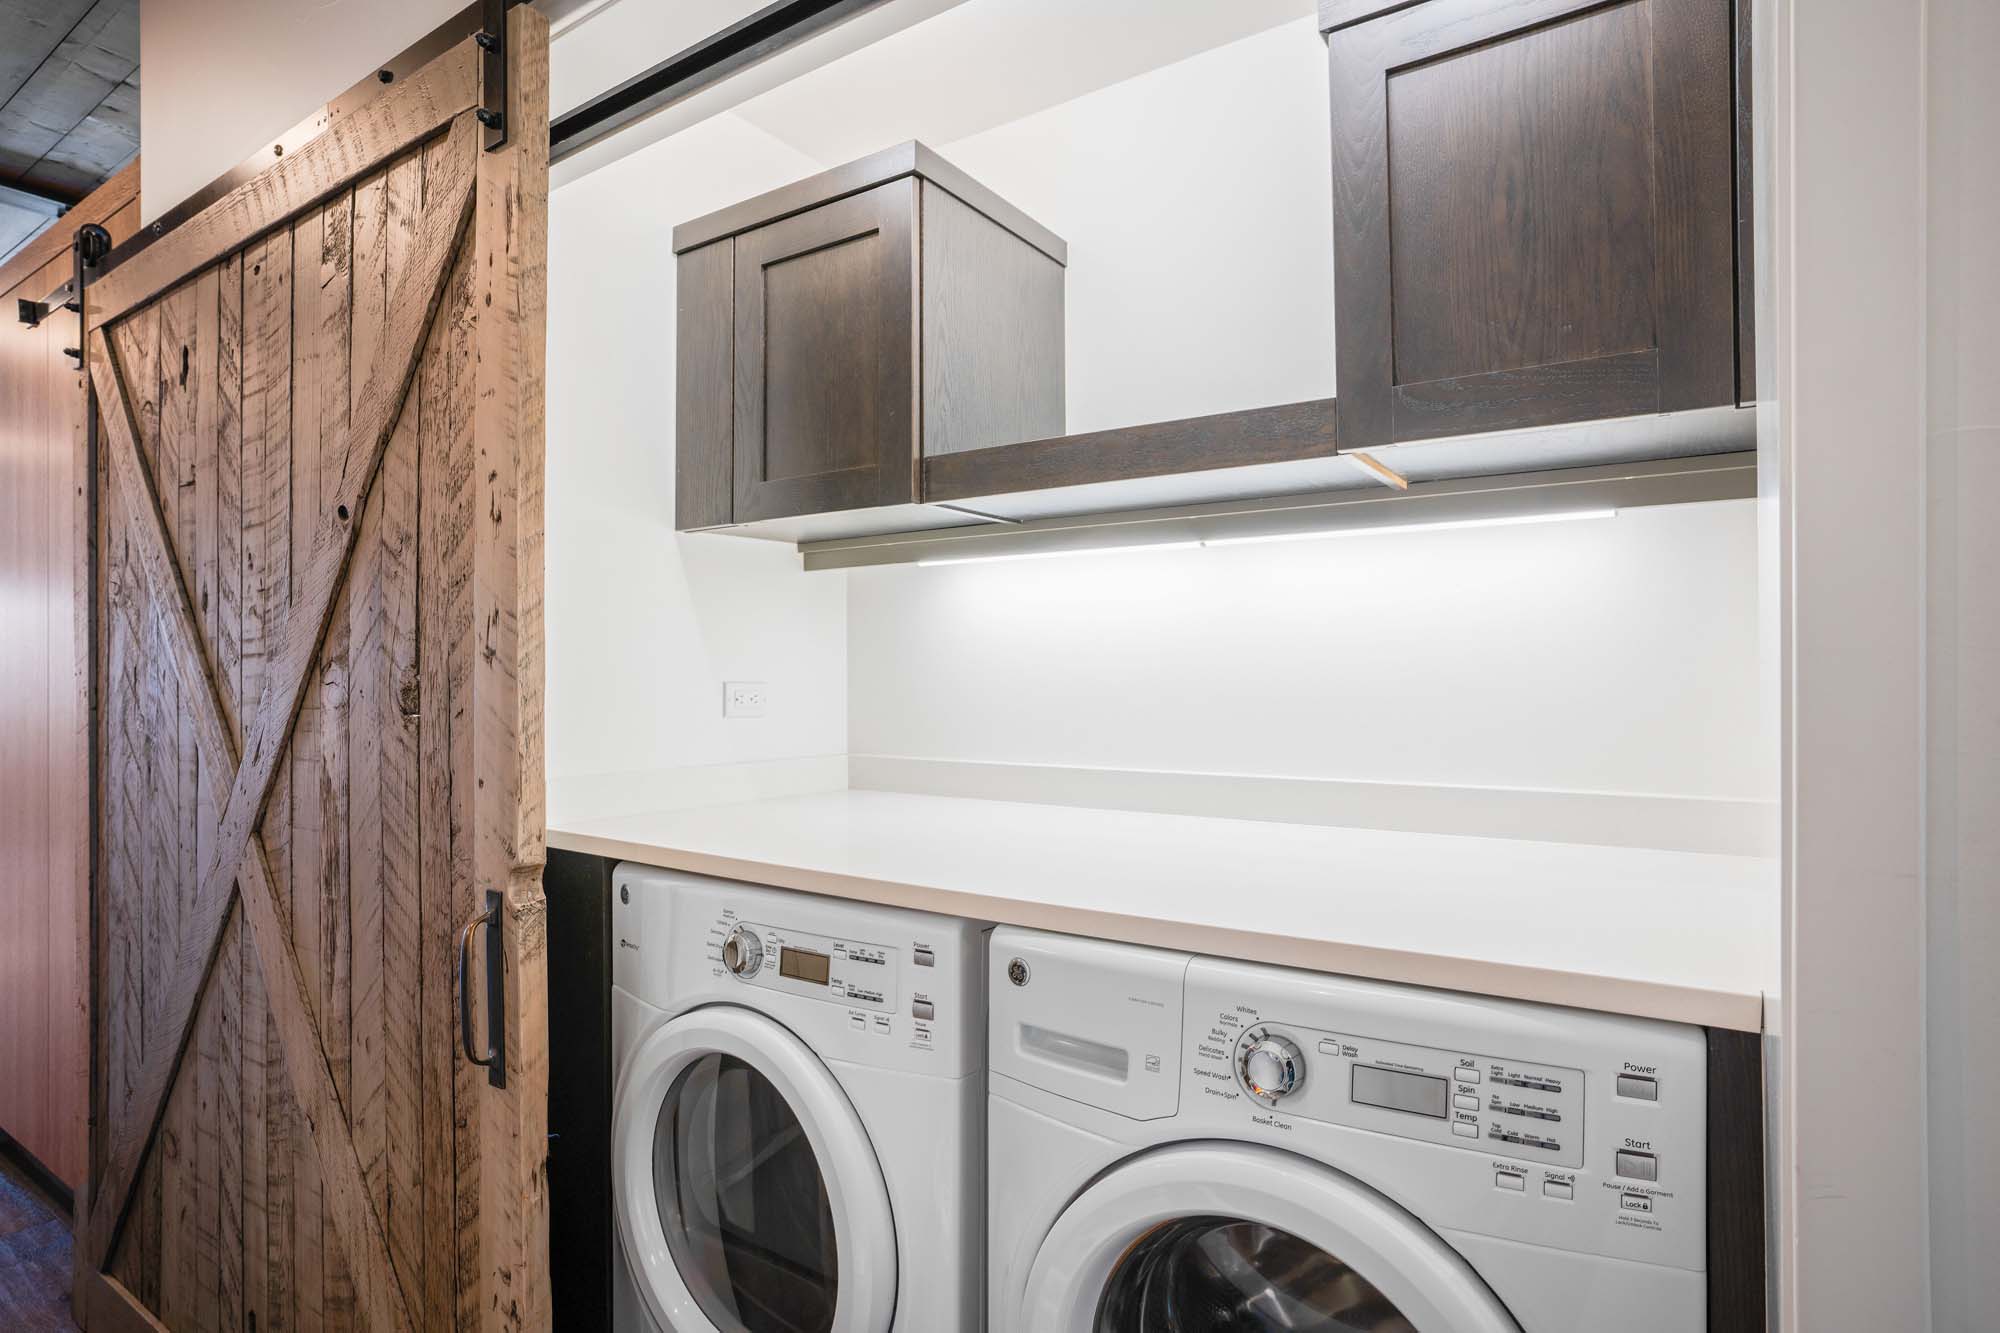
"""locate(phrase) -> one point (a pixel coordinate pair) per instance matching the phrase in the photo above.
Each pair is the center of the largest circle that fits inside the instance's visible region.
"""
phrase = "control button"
(1636, 1203)
(923, 957)
(1558, 1189)
(882, 1024)
(857, 1021)
(1328, 1046)
(1465, 1129)
(1510, 1180)
(1638, 1166)
(1465, 1102)
(1639, 1087)
(923, 1009)
(1467, 1076)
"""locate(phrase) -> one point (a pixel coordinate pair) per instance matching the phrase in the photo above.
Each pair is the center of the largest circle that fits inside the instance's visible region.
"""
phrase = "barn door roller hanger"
(492, 40)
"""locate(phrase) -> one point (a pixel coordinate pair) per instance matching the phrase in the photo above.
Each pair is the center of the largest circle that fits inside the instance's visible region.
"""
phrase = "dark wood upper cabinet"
(834, 333)
(1535, 213)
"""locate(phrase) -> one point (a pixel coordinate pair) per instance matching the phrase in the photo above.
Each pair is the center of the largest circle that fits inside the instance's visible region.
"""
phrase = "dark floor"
(34, 1256)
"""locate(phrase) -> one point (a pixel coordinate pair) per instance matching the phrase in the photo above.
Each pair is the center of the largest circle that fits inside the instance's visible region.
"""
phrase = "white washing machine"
(1180, 1144)
(797, 1116)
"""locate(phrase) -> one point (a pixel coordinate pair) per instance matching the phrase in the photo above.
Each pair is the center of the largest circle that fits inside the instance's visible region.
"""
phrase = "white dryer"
(1180, 1144)
(797, 1115)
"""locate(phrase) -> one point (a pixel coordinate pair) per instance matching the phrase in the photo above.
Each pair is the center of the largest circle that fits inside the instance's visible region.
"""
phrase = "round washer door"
(1233, 1238)
(749, 1197)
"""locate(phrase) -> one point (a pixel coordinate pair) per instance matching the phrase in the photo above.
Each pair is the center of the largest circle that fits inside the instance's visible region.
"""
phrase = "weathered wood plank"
(121, 982)
(198, 404)
(440, 611)
(267, 468)
(138, 344)
(410, 111)
(394, 722)
(284, 684)
(315, 309)
(225, 631)
(510, 255)
(229, 1101)
(336, 919)
(226, 620)
(258, 1112)
(453, 519)
(201, 1194)
(381, 607)
(159, 705)
(364, 639)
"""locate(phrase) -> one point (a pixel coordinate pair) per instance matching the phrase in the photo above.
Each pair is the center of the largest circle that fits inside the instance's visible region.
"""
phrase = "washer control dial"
(1271, 1066)
(743, 952)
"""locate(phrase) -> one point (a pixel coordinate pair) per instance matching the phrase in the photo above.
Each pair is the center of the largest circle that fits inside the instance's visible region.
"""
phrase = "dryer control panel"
(878, 986)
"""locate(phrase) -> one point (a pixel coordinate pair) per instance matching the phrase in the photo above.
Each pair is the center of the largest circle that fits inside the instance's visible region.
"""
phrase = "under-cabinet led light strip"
(1265, 538)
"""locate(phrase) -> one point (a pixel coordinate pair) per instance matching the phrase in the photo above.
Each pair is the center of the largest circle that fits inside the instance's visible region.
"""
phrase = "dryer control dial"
(1272, 1067)
(743, 952)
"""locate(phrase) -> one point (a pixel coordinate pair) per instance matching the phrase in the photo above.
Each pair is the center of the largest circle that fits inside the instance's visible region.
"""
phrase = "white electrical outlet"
(744, 698)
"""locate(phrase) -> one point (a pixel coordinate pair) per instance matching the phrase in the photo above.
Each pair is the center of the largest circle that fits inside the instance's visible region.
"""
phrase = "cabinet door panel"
(1533, 214)
(825, 323)
(1519, 186)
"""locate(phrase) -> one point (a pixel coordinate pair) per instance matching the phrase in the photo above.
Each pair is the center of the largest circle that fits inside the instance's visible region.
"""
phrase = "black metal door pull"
(494, 1061)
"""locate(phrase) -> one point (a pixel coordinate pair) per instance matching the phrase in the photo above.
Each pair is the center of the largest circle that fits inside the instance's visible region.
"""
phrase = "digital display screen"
(1395, 1090)
(803, 965)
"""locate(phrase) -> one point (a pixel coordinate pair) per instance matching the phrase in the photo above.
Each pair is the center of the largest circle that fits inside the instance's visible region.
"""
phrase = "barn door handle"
(495, 1060)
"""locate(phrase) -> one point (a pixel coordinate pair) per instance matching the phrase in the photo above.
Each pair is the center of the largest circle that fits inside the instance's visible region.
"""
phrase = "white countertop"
(1683, 936)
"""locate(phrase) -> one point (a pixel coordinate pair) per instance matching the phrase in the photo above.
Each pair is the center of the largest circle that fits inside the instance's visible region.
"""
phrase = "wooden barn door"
(318, 727)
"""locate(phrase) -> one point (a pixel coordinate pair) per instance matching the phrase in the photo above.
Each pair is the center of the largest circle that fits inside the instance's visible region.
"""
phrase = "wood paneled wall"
(44, 794)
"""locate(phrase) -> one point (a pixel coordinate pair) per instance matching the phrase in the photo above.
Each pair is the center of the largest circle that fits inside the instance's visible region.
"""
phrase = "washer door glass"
(1208, 1237)
(743, 1202)
(1227, 1275)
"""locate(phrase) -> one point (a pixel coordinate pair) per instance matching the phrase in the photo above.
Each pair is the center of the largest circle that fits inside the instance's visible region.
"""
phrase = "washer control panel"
(849, 972)
(1462, 1099)
(1522, 1121)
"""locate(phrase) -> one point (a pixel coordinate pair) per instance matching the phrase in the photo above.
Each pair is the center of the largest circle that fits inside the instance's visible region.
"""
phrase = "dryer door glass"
(743, 1202)
(1225, 1275)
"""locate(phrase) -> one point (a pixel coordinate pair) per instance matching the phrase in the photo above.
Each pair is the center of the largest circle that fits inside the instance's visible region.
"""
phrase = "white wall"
(222, 78)
(644, 625)
(1963, 642)
(1197, 201)
(1609, 656)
